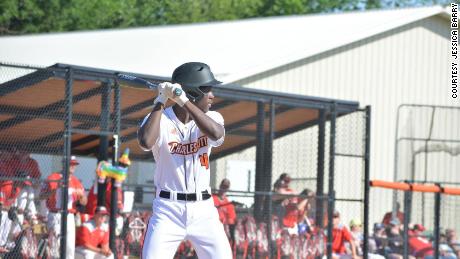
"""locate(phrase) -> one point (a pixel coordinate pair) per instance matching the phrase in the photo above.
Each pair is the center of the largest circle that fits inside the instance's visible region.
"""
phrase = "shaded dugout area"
(33, 110)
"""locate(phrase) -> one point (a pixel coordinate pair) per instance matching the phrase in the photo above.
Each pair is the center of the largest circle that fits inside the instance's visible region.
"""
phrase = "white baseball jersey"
(182, 165)
(182, 154)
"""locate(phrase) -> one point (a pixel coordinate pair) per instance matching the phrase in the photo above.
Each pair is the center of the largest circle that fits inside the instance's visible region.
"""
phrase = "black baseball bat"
(140, 81)
(137, 80)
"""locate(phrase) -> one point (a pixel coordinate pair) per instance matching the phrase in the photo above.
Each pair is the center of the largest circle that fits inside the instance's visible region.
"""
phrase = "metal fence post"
(115, 152)
(66, 160)
(437, 217)
(366, 181)
(320, 167)
(260, 167)
(331, 206)
(407, 205)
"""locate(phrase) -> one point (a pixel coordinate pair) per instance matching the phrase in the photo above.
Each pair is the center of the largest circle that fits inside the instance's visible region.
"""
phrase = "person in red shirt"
(9, 191)
(226, 209)
(5, 164)
(340, 235)
(93, 237)
(295, 210)
(51, 191)
(22, 162)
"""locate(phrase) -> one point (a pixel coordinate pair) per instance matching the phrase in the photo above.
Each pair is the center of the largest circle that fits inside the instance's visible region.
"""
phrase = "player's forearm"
(149, 132)
(207, 125)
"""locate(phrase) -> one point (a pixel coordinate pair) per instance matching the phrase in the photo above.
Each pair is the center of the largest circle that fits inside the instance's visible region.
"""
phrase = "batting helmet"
(195, 78)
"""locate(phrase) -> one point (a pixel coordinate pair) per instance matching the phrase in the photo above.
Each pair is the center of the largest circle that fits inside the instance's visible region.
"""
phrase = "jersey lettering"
(189, 148)
(204, 160)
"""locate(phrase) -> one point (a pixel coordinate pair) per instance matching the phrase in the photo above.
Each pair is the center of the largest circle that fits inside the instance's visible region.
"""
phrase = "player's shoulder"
(216, 116)
(90, 225)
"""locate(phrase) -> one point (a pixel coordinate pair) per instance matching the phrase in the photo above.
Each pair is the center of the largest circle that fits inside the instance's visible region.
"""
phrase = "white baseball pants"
(83, 253)
(197, 221)
(54, 224)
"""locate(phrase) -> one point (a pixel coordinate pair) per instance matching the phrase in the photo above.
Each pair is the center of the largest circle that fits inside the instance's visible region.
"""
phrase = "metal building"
(380, 58)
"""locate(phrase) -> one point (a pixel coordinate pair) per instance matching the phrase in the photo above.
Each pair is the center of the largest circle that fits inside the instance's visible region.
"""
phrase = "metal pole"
(103, 141)
(113, 200)
(331, 181)
(116, 145)
(437, 217)
(395, 176)
(66, 160)
(268, 169)
(407, 205)
(426, 162)
(320, 167)
(367, 181)
(260, 181)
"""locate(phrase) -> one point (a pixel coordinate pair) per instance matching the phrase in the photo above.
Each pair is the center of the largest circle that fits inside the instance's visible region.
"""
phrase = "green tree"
(36, 16)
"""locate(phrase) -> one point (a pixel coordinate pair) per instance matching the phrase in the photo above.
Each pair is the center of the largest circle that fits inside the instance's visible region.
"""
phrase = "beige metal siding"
(406, 65)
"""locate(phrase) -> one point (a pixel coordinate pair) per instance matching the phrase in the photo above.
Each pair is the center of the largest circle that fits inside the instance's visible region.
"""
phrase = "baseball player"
(52, 192)
(93, 237)
(226, 209)
(180, 138)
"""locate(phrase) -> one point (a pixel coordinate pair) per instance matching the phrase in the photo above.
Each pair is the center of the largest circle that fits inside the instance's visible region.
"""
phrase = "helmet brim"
(211, 83)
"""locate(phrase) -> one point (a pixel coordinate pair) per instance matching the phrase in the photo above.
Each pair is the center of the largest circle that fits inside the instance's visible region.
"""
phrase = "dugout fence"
(49, 114)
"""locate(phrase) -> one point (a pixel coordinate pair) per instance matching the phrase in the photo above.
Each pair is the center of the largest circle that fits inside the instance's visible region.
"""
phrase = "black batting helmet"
(195, 78)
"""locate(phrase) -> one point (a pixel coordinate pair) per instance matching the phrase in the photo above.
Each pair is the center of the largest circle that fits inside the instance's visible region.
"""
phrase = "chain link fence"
(49, 115)
(428, 151)
(45, 113)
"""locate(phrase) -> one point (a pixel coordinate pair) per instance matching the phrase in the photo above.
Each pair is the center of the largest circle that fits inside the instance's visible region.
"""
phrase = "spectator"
(280, 199)
(422, 247)
(225, 208)
(305, 223)
(93, 237)
(395, 248)
(453, 242)
(377, 241)
(358, 237)
(18, 207)
(295, 209)
(389, 215)
(340, 235)
(22, 162)
(51, 191)
(6, 169)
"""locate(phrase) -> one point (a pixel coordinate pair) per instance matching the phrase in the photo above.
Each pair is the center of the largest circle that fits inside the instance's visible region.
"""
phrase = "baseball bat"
(140, 81)
(137, 80)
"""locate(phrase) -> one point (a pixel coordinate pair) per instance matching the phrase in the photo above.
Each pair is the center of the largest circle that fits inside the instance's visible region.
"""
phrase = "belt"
(60, 211)
(185, 196)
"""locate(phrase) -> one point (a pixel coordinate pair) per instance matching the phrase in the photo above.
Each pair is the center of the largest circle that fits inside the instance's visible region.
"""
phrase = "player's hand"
(163, 94)
(178, 94)
(106, 251)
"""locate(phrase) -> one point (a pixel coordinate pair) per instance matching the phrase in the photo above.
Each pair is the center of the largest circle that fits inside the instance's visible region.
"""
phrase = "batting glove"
(163, 94)
(178, 94)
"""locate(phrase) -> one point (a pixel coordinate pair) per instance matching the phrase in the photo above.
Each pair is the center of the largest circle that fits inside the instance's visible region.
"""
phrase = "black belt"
(185, 196)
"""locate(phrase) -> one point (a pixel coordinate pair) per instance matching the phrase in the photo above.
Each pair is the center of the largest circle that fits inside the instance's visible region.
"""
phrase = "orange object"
(415, 187)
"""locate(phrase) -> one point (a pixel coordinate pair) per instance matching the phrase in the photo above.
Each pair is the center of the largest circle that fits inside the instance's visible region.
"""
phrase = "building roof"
(234, 49)
(37, 101)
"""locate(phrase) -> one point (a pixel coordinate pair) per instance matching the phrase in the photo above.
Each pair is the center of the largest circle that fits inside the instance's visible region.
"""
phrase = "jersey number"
(204, 160)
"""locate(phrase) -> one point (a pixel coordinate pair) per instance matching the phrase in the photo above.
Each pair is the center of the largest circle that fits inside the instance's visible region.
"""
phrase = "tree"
(36, 16)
